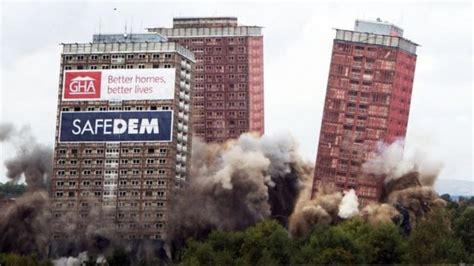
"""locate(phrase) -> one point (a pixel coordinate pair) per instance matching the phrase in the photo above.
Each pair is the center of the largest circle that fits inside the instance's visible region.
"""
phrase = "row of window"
(110, 151)
(229, 40)
(219, 135)
(122, 193)
(95, 57)
(218, 78)
(121, 66)
(219, 50)
(87, 183)
(219, 58)
(220, 87)
(111, 108)
(111, 172)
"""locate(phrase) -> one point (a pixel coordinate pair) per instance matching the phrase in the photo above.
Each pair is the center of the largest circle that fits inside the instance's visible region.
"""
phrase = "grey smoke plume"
(32, 160)
(236, 184)
(408, 193)
(34, 163)
(6, 131)
(25, 226)
(389, 161)
(231, 186)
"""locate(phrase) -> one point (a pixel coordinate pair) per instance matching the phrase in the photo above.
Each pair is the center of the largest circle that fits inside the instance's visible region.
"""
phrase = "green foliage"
(11, 189)
(353, 242)
(444, 236)
(17, 260)
(267, 243)
(328, 245)
(433, 241)
(464, 228)
(383, 245)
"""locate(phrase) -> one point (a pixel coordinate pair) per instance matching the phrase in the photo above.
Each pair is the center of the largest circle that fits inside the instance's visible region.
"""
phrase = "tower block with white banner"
(123, 136)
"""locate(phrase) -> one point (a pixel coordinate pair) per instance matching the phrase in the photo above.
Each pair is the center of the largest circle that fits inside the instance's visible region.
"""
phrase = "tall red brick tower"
(367, 101)
(228, 99)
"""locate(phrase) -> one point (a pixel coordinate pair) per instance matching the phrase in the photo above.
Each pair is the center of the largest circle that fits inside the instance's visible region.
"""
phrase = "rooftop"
(376, 39)
(184, 22)
(378, 27)
(133, 37)
(185, 27)
(126, 47)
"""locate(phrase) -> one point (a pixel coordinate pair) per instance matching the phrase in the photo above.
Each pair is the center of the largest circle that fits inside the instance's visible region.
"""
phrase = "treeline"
(444, 236)
(17, 260)
(11, 190)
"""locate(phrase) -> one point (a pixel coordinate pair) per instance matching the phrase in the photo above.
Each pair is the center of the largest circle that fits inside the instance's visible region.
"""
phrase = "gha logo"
(82, 84)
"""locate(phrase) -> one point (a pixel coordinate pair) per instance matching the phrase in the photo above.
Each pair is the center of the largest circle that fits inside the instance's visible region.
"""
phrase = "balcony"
(117, 61)
(187, 87)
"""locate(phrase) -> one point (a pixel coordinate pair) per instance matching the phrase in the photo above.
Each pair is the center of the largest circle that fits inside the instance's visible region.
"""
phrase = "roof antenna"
(125, 31)
(100, 26)
(401, 19)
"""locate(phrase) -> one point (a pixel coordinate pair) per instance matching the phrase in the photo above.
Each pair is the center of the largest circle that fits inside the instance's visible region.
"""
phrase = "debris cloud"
(32, 161)
(6, 130)
(24, 225)
(322, 209)
(231, 186)
(349, 206)
(237, 184)
(406, 197)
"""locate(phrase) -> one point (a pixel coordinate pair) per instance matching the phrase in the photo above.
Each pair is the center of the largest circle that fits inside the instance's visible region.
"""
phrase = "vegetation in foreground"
(444, 236)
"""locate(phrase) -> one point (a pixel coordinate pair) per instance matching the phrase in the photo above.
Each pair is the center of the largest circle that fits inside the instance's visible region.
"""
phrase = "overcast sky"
(297, 46)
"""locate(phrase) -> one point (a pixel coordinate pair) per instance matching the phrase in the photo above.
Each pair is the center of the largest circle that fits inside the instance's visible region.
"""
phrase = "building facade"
(122, 182)
(229, 75)
(367, 102)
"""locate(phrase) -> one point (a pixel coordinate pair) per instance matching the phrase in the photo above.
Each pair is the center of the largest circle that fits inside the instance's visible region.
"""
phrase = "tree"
(433, 241)
(328, 245)
(464, 229)
(267, 238)
(383, 245)
(17, 260)
(351, 242)
(266, 243)
(12, 190)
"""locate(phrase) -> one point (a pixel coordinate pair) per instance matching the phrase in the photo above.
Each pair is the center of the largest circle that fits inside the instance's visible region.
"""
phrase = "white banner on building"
(119, 84)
